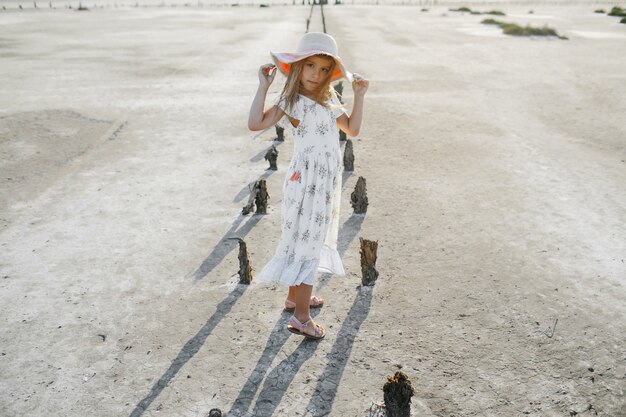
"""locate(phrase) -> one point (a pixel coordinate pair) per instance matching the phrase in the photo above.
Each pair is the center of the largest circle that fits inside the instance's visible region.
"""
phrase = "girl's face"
(314, 72)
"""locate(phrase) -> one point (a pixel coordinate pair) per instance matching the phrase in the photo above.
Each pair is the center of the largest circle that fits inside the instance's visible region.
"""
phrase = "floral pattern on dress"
(308, 204)
(301, 129)
(321, 128)
(309, 108)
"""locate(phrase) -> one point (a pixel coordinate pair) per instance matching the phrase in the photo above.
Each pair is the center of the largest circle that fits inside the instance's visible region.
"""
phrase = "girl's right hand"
(266, 74)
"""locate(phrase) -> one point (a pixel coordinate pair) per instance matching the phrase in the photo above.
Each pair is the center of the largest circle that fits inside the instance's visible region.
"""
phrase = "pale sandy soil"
(496, 175)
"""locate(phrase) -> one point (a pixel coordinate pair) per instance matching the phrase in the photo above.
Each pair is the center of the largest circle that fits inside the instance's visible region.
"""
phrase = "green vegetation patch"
(517, 30)
(599, 11)
(468, 10)
(461, 9)
(617, 11)
(495, 13)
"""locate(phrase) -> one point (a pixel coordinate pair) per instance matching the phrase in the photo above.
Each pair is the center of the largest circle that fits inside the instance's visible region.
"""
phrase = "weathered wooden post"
(258, 197)
(280, 134)
(358, 198)
(261, 197)
(348, 157)
(398, 392)
(245, 269)
(271, 156)
(369, 249)
(216, 412)
(339, 90)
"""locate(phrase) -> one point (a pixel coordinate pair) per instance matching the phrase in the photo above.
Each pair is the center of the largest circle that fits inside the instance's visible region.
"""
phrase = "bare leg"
(291, 298)
(303, 296)
(291, 295)
(302, 313)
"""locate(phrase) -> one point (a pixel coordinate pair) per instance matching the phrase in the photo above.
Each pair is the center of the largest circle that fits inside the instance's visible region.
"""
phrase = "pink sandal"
(316, 302)
(294, 326)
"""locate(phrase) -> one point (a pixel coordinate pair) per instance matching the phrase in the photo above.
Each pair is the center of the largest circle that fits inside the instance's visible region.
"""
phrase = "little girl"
(312, 188)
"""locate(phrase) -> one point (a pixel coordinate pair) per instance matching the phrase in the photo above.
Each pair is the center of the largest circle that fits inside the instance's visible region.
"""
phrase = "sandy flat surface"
(496, 177)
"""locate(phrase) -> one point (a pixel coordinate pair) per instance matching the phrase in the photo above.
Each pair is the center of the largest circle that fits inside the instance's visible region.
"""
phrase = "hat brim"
(283, 61)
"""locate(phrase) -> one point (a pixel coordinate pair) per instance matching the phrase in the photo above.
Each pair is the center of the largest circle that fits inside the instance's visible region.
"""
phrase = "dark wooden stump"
(258, 197)
(216, 412)
(339, 90)
(398, 392)
(348, 157)
(245, 269)
(271, 156)
(342, 135)
(369, 255)
(280, 134)
(261, 197)
(358, 198)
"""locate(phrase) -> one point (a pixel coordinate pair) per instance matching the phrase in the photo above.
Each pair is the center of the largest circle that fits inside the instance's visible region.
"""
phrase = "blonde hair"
(292, 85)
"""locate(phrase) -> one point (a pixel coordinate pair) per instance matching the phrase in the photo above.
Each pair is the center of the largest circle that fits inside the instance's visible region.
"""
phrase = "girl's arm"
(258, 118)
(352, 124)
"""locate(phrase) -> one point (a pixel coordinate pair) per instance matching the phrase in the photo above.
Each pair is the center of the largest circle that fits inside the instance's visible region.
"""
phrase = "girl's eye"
(325, 69)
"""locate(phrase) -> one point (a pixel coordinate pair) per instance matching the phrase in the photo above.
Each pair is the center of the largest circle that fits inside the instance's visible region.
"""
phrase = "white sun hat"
(312, 43)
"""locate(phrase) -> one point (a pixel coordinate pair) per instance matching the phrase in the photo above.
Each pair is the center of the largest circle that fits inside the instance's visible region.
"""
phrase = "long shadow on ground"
(188, 351)
(321, 402)
(347, 233)
(274, 344)
(279, 378)
(261, 155)
(275, 387)
(245, 191)
(225, 245)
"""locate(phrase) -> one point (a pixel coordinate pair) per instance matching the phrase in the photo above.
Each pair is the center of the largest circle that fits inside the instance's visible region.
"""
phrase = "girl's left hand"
(359, 84)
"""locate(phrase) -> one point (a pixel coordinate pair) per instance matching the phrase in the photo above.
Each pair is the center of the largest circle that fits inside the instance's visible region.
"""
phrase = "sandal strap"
(318, 329)
(296, 323)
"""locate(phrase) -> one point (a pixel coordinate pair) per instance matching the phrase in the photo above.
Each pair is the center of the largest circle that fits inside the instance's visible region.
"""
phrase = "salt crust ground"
(495, 169)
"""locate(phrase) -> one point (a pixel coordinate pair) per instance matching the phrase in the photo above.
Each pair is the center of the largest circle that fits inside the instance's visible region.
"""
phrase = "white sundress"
(310, 206)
